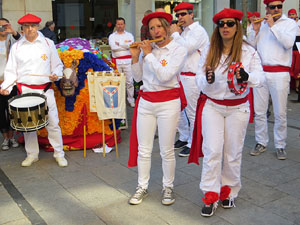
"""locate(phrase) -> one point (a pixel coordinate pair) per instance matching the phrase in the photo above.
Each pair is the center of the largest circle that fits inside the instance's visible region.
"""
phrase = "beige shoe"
(61, 161)
(28, 161)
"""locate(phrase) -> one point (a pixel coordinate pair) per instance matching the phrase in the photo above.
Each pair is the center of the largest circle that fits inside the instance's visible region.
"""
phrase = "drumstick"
(155, 40)
(261, 19)
(42, 75)
(10, 85)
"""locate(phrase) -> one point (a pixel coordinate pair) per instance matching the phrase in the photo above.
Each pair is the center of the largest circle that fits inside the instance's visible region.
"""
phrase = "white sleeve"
(10, 72)
(56, 63)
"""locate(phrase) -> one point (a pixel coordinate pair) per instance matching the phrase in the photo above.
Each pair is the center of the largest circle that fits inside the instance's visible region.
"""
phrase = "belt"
(276, 68)
(188, 74)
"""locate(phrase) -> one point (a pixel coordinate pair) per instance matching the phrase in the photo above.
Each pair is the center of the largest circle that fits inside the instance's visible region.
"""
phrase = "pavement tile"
(287, 207)
(259, 194)
(292, 188)
(247, 214)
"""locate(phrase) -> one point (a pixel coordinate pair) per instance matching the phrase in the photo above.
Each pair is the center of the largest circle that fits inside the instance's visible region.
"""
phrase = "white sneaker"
(14, 143)
(28, 161)
(5, 145)
(61, 161)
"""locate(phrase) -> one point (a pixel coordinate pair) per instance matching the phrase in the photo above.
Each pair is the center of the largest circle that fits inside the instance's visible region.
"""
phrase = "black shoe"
(185, 152)
(209, 210)
(228, 203)
(179, 144)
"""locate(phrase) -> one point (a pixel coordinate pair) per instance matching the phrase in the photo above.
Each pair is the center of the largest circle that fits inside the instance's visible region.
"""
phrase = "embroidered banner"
(107, 94)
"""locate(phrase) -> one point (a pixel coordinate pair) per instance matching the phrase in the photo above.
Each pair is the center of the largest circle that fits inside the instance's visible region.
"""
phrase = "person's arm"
(256, 73)
(126, 43)
(136, 64)
(285, 33)
(56, 63)
(197, 40)
(10, 72)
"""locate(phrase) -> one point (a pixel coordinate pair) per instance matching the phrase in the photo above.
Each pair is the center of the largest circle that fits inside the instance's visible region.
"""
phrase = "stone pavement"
(95, 190)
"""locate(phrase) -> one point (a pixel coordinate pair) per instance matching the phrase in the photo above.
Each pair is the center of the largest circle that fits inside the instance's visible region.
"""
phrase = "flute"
(261, 19)
(155, 40)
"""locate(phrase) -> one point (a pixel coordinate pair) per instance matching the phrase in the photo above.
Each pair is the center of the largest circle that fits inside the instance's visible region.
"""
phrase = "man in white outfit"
(36, 54)
(274, 39)
(119, 42)
(194, 38)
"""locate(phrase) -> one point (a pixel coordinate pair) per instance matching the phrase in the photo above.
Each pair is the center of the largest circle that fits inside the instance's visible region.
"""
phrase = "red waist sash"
(33, 86)
(114, 59)
(188, 74)
(275, 69)
(158, 96)
(196, 148)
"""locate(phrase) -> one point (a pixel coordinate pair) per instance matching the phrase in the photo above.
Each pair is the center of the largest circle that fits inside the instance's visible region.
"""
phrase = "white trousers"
(54, 132)
(126, 69)
(165, 116)
(277, 84)
(187, 117)
(224, 130)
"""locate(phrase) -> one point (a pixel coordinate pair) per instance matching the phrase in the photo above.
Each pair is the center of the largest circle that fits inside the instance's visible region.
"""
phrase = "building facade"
(96, 18)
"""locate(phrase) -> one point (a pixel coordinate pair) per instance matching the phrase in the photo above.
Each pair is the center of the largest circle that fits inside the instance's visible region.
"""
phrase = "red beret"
(292, 11)
(256, 14)
(266, 2)
(29, 18)
(183, 5)
(250, 14)
(228, 13)
(150, 16)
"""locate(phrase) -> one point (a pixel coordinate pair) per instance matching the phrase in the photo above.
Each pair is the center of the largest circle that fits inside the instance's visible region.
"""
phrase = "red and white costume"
(295, 67)
(37, 57)
(122, 58)
(194, 38)
(274, 46)
(224, 126)
(158, 71)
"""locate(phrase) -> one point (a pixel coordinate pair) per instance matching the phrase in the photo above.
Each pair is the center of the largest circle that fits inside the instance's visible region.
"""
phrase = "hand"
(256, 26)
(4, 92)
(174, 28)
(269, 19)
(53, 77)
(241, 75)
(117, 43)
(146, 47)
(10, 30)
(210, 75)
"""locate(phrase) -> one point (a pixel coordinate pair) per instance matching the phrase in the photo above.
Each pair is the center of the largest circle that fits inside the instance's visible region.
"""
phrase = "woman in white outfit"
(157, 65)
(225, 114)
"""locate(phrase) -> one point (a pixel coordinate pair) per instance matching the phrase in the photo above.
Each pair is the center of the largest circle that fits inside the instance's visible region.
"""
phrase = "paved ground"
(95, 190)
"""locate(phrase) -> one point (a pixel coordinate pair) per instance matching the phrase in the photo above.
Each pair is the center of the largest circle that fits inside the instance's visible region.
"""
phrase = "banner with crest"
(108, 96)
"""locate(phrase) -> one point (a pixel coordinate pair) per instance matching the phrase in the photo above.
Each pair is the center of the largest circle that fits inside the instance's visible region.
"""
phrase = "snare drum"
(28, 112)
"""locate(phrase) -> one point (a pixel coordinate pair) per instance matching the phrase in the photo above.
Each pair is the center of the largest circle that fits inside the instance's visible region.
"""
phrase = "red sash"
(158, 96)
(275, 69)
(188, 74)
(33, 86)
(196, 148)
(114, 59)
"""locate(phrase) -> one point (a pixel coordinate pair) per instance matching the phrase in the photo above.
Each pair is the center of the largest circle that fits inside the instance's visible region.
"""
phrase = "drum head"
(25, 101)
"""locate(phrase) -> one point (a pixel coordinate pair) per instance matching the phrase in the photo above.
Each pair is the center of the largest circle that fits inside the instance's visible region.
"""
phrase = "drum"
(28, 112)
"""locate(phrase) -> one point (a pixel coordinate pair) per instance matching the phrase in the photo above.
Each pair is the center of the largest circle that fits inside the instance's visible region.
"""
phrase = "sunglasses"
(181, 14)
(229, 23)
(274, 6)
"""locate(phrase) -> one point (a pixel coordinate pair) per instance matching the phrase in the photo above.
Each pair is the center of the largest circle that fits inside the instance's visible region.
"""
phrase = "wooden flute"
(261, 19)
(134, 45)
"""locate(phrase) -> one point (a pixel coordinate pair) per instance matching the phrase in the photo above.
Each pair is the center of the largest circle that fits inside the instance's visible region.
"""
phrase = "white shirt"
(2, 59)
(125, 39)
(275, 44)
(37, 57)
(298, 24)
(158, 70)
(194, 38)
(219, 89)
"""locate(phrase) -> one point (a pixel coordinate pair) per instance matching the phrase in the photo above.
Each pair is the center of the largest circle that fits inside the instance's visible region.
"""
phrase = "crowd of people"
(197, 86)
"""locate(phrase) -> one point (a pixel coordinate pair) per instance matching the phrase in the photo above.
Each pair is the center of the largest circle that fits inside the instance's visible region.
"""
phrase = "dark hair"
(120, 18)
(6, 20)
(49, 23)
